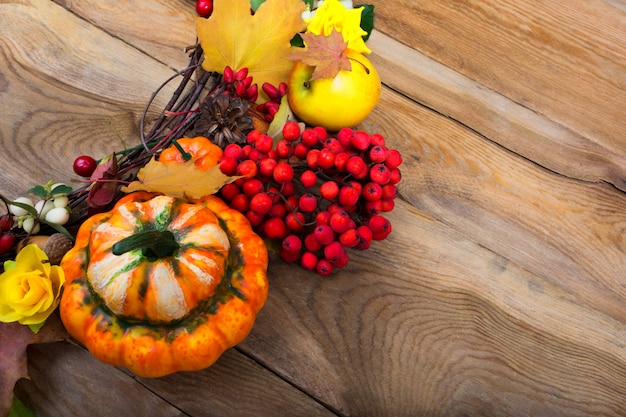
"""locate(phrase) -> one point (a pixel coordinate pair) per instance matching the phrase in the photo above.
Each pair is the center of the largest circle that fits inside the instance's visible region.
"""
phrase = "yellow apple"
(333, 103)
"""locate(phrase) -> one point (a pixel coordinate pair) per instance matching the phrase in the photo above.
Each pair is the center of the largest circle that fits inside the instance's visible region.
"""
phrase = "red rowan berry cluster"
(315, 194)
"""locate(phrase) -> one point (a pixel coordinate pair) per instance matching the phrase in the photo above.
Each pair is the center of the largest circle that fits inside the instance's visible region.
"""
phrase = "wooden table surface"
(500, 292)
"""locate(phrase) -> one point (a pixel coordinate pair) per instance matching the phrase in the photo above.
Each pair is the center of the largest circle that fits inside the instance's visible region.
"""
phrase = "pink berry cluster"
(314, 194)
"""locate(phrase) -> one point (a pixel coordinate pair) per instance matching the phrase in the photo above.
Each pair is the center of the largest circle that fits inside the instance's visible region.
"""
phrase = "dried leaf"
(233, 37)
(325, 53)
(102, 191)
(14, 339)
(184, 180)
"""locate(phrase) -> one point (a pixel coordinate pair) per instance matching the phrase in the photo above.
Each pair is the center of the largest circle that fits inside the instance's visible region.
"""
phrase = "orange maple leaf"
(183, 180)
(233, 37)
(325, 53)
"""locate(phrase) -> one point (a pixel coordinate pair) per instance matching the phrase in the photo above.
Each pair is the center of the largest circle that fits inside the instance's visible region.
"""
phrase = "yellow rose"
(29, 287)
(332, 15)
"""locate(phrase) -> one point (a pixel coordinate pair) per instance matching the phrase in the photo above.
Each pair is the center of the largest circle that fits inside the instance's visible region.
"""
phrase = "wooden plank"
(162, 29)
(76, 90)
(567, 231)
(543, 79)
(431, 323)
(67, 381)
(463, 309)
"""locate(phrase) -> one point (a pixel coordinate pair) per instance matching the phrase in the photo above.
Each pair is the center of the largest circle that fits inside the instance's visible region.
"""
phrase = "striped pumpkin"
(160, 284)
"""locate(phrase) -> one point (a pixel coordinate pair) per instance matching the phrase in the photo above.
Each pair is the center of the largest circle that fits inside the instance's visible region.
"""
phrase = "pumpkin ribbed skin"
(177, 313)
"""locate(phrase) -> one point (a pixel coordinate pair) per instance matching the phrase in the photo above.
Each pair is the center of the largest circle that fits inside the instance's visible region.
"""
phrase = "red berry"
(340, 161)
(271, 91)
(287, 189)
(295, 221)
(267, 166)
(379, 224)
(274, 228)
(241, 74)
(387, 205)
(334, 251)
(234, 150)
(247, 168)
(350, 238)
(278, 210)
(365, 237)
(324, 234)
(240, 203)
(283, 172)
(329, 190)
(348, 196)
(229, 75)
(357, 167)
(308, 261)
(255, 219)
(344, 136)
(300, 151)
(252, 187)
(289, 256)
(325, 159)
(372, 208)
(380, 174)
(264, 143)
(394, 159)
(6, 222)
(308, 179)
(84, 166)
(390, 191)
(372, 191)
(341, 262)
(323, 217)
(395, 176)
(204, 8)
(322, 134)
(261, 203)
(283, 149)
(7, 241)
(291, 131)
(377, 139)
(292, 243)
(324, 267)
(228, 165)
(360, 140)
(307, 203)
(253, 135)
(378, 154)
(333, 145)
(310, 138)
(311, 158)
(229, 191)
(311, 243)
(340, 221)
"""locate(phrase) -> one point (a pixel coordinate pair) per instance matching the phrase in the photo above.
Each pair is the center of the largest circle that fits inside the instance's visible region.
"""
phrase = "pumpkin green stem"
(186, 155)
(154, 244)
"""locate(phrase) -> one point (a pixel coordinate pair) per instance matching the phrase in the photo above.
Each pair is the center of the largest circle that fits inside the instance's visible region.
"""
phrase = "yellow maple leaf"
(233, 37)
(184, 180)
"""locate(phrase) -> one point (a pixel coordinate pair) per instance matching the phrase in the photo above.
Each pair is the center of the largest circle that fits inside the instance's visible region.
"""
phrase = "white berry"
(18, 211)
(58, 215)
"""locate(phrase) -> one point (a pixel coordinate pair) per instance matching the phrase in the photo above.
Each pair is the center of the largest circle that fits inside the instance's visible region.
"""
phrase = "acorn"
(55, 246)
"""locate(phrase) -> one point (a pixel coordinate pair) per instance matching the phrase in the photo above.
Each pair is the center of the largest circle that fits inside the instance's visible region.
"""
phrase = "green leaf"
(19, 409)
(309, 3)
(59, 228)
(367, 19)
(297, 41)
(61, 189)
(254, 4)
(36, 327)
(30, 209)
(39, 191)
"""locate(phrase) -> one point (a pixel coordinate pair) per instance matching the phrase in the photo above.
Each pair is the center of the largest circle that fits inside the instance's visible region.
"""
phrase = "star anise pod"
(224, 119)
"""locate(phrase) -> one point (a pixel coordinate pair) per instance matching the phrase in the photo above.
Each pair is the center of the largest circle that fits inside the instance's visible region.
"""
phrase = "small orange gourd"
(160, 284)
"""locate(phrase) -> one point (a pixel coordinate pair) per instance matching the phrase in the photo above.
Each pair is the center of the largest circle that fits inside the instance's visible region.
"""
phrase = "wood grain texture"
(74, 90)
(63, 384)
(528, 75)
(499, 293)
